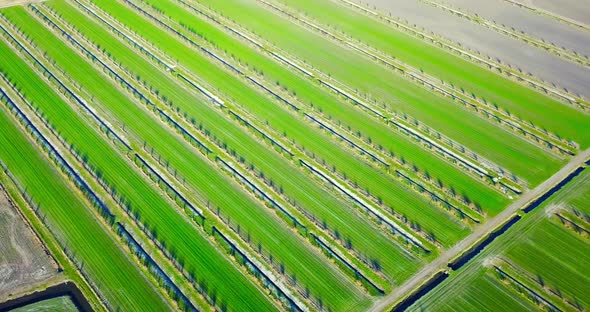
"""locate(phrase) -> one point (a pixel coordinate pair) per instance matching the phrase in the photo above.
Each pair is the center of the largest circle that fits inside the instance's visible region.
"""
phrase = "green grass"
(557, 254)
(365, 238)
(172, 228)
(392, 193)
(559, 257)
(323, 280)
(580, 199)
(480, 292)
(440, 113)
(518, 99)
(540, 246)
(311, 93)
(61, 304)
(110, 269)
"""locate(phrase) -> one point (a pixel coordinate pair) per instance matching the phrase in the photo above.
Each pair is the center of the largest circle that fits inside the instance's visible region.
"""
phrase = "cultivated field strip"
(285, 121)
(335, 231)
(468, 99)
(561, 51)
(526, 285)
(400, 27)
(432, 196)
(328, 106)
(246, 149)
(225, 165)
(539, 263)
(103, 260)
(242, 201)
(226, 127)
(472, 54)
(153, 217)
(171, 257)
(160, 275)
(450, 120)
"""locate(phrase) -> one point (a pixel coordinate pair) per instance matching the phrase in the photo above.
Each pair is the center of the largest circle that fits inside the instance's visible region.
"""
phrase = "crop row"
(263, 153)
(73, 223)
(166, 221)
(439, 113)
(160, 133)
(271, 69)
(283, 120)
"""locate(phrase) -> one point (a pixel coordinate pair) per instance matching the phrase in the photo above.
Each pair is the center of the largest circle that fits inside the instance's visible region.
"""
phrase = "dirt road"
(442, 261)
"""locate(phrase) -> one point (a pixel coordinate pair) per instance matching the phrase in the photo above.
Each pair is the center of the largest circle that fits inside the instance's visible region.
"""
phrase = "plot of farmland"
(544, 261)
(264, 155)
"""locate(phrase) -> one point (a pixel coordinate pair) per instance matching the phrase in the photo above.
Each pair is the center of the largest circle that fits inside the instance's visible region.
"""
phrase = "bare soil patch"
(23, 258)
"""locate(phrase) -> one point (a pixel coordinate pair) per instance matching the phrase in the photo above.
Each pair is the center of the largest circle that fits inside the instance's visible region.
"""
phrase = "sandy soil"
(540, 63)
(22, 257)
(539, 26)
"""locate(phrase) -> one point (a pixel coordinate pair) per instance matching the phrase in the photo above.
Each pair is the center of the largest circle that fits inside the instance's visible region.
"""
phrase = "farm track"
(479, 233)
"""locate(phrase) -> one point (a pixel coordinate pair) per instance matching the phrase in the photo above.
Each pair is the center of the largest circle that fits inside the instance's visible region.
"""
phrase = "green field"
(63, 304)
(295, 185)
(440, 113)
(256, 160)
(549, 258)
(110, 269)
